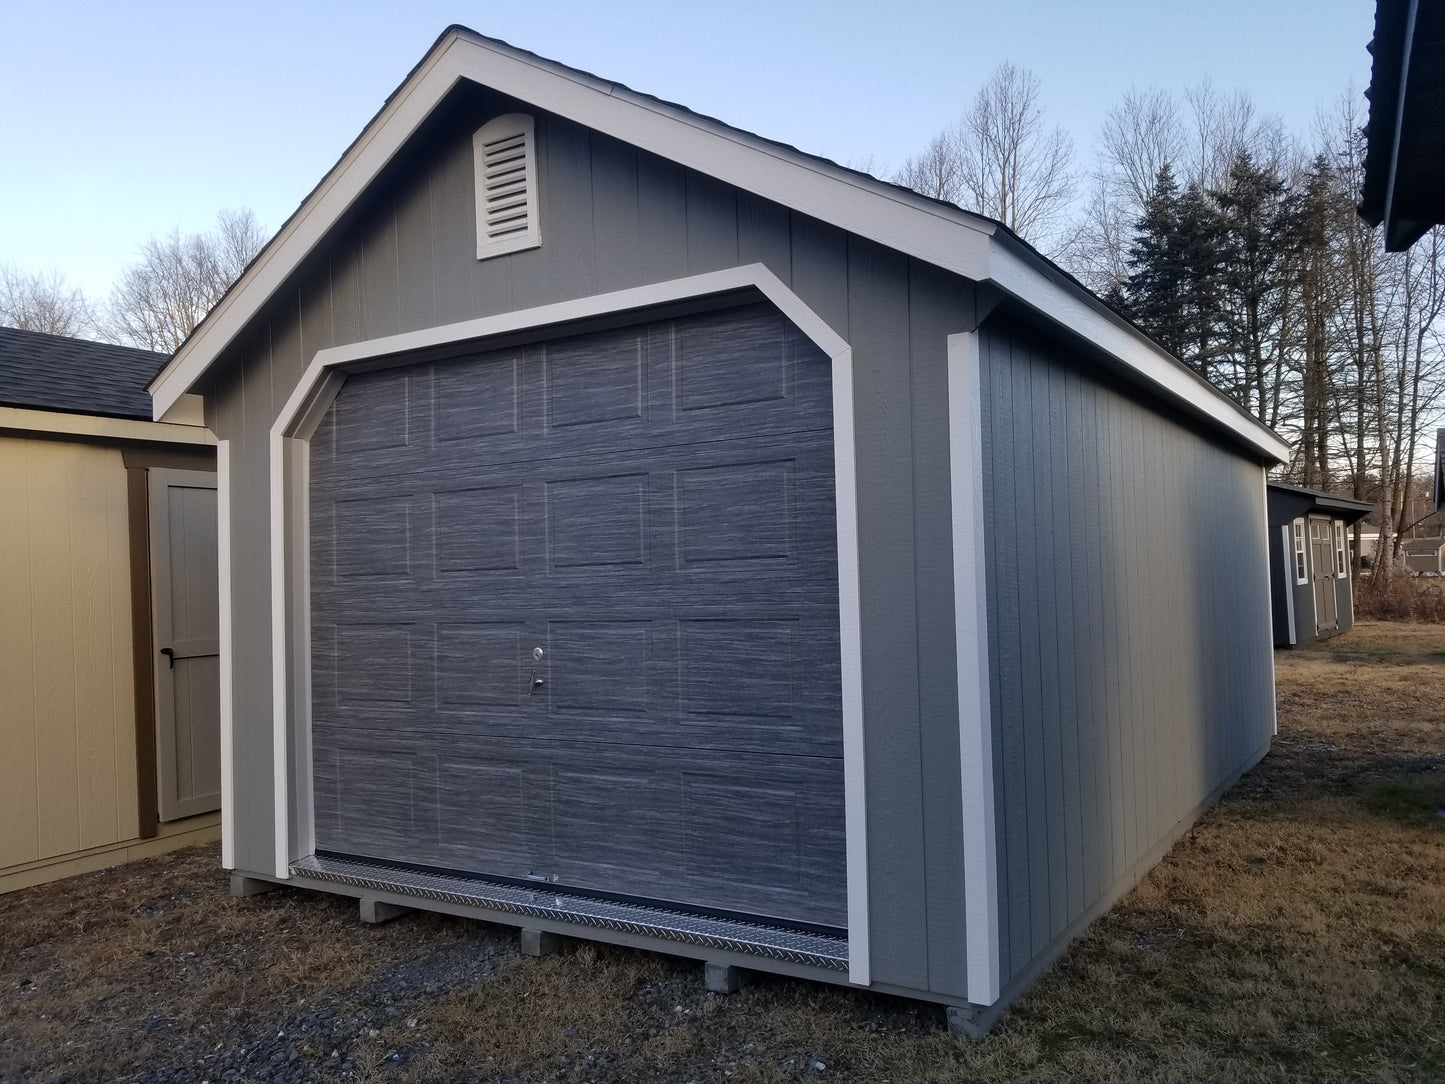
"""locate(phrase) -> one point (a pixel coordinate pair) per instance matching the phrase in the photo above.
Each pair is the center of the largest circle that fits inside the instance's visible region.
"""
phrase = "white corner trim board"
(975, 714)
(280, 661)
(1268, 600)
(290, 602)
(228, 658)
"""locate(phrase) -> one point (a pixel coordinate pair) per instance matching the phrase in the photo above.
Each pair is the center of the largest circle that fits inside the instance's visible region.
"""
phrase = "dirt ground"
(1297, 933)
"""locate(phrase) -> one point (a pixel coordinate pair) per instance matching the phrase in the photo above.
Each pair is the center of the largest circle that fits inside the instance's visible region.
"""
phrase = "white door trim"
(290, 601)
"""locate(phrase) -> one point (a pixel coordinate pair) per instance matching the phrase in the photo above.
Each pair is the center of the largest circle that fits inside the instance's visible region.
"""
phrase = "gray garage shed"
(640, 530)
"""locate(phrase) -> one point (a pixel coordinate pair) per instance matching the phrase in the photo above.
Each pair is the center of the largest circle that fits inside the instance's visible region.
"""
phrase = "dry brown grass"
(1296, 933)
(1407, 598)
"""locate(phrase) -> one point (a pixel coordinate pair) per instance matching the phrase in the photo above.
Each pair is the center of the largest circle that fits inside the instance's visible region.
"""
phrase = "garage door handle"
(170, 655)
(537, 683)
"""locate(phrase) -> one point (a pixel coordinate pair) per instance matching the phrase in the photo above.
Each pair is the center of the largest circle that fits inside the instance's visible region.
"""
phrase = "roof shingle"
(52, 372)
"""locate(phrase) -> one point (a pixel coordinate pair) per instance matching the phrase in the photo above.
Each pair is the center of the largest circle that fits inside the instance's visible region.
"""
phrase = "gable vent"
(506, 168)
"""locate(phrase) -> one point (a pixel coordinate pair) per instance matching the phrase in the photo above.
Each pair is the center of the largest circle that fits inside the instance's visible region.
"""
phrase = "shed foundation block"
(723, 978)
(243, 886)
(540, 942)
(966, 1022)
(374, 911)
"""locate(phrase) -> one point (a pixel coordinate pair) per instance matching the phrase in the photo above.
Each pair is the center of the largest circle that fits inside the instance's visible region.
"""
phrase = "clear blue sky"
(124, 119)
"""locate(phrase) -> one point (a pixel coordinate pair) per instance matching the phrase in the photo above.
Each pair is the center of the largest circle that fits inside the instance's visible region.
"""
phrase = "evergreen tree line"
(1238, 248)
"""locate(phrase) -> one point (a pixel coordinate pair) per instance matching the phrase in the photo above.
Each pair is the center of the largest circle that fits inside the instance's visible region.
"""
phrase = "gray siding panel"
(454, 243)
(615, 214)
(380, 290)
(245, 402)
(1127, 632)
(662, 217)
(878, 330)
(935, 303)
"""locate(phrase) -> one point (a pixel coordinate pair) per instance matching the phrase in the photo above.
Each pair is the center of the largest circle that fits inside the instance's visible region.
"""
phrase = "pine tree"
(1256, 281)
(1173, 290)
(1201, 259)
(1153, 293)
(1317, 304)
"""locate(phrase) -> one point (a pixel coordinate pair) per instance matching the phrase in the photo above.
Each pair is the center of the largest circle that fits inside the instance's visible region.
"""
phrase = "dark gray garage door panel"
(651, 507)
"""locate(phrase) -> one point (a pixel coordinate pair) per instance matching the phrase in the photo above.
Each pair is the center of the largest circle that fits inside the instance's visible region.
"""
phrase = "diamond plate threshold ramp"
(793, 946)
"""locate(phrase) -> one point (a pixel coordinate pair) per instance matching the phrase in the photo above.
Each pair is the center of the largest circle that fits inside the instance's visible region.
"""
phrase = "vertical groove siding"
(613, 217)
(1129, 647)
(67, 690)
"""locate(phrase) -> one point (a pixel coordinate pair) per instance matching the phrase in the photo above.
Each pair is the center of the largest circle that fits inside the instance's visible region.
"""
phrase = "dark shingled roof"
(52, 372)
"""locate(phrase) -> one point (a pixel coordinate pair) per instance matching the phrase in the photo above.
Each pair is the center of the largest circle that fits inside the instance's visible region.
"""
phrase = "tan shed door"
(1322, 565)
(185, 602)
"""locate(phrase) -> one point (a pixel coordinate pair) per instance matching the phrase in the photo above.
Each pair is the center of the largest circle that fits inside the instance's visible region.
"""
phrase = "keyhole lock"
(537, 682)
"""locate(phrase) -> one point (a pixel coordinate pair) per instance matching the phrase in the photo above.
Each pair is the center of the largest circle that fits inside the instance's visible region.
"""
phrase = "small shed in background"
(1424, 554)
(1309, 563)
(640, 530)
(108, 696)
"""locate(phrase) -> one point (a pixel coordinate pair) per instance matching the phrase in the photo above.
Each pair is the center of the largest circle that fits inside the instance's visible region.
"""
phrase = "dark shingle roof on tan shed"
(53, 372)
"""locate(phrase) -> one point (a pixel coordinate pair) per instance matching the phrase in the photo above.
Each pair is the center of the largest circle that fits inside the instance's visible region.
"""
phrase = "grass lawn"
(1297, 933)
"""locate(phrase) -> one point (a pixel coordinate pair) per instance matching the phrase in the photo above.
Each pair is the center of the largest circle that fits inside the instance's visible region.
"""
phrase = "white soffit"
(935, 233)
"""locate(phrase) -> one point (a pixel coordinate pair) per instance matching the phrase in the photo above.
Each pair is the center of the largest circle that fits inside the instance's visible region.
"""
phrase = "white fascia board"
(930, 231)
(59, 423)
(1077, 311)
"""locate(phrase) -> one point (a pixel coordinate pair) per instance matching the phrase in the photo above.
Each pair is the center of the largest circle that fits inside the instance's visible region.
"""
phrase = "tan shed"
(109, 738)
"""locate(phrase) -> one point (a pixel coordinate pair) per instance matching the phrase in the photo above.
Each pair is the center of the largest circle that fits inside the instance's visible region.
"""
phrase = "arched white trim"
(290, 600)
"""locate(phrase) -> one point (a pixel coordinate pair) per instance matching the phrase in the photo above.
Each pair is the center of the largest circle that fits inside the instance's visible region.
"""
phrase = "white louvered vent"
(506, 169)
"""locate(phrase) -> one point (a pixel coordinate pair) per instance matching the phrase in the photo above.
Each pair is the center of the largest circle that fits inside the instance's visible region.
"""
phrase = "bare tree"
(161, 298)
(938, 170)
(44, 302)
(1138, 136)
(1014, 169)
(1001, 160)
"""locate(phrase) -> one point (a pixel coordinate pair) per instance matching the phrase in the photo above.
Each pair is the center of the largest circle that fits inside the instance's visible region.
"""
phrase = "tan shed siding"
(67, 703)
(613, 217)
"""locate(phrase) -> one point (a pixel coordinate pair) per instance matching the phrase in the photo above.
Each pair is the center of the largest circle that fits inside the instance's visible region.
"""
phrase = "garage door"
(575, 617)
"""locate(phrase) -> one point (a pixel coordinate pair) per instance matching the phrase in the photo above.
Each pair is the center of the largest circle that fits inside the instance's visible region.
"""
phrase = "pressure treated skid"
(1054, 637)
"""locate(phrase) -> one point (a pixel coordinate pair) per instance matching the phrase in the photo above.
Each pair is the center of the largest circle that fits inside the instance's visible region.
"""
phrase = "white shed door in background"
(575, 617)
(186, 626)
